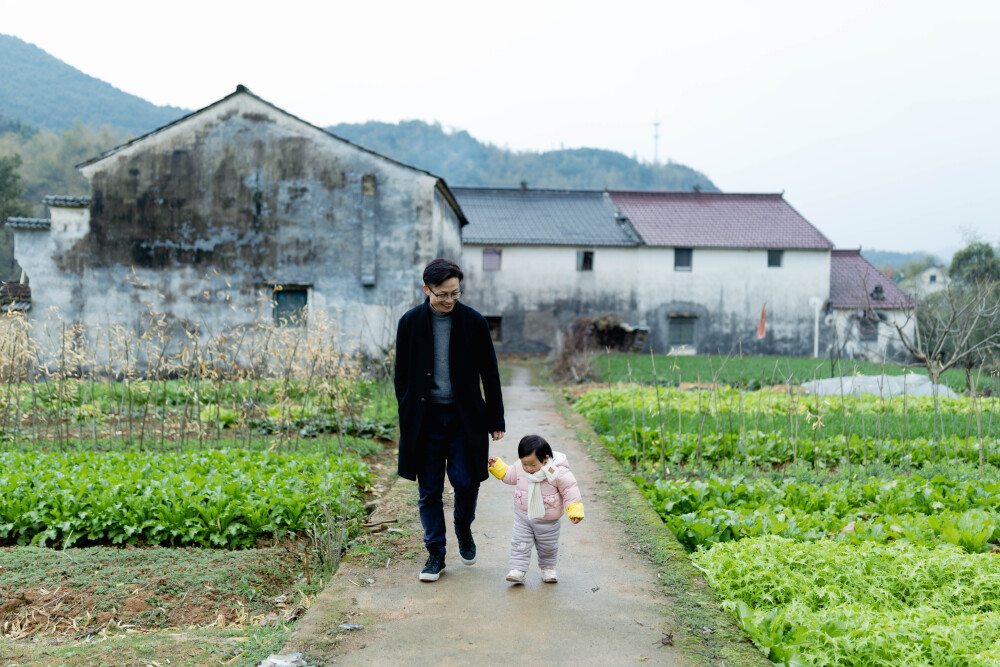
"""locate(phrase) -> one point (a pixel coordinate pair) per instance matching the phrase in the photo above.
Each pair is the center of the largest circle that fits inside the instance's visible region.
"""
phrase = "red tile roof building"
(855, 283)
(717, 220)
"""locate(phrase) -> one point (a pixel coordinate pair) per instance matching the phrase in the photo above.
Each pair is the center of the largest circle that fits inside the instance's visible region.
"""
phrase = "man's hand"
(493, 460)
(497, 435)
(576, 519)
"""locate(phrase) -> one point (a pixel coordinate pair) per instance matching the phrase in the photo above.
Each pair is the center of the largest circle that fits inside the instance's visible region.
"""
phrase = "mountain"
(883, 259)
(39, 89)
(463, 160)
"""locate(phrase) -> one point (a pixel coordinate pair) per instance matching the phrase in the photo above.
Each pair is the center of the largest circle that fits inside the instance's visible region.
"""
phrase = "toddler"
(544, 488)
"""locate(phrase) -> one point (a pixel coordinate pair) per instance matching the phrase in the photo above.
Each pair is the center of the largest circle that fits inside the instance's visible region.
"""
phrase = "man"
(443, 351)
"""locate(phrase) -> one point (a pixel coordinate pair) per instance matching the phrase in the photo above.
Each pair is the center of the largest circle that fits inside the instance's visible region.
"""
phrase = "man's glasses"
(451, 296)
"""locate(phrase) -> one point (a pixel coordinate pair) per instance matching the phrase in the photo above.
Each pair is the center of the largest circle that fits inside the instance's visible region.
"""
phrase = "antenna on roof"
(656, 142)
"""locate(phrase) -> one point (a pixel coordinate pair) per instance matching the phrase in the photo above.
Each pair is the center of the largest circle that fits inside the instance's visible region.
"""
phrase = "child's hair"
(536, 444)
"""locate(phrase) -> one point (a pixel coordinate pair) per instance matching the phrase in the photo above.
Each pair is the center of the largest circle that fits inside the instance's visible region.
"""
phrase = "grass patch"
(752, 371)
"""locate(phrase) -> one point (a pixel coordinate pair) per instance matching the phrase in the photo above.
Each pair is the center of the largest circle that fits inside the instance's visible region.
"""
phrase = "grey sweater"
(441, 386)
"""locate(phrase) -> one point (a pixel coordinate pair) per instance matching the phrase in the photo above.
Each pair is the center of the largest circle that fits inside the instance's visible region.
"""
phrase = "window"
(491, 259)
(290, 305)
(682, 330)
(774, 257)
(682, 259)
(868, 330)
(496, 328)
(933, 278)
(584, 260)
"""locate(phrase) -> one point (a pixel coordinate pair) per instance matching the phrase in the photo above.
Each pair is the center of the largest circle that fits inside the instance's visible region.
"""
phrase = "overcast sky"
(879, 120)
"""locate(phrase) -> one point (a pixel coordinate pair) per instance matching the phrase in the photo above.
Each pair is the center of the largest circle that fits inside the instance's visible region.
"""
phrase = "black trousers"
(443, 448)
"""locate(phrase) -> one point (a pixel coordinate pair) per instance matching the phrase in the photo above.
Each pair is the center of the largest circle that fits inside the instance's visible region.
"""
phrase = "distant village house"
(695, 269)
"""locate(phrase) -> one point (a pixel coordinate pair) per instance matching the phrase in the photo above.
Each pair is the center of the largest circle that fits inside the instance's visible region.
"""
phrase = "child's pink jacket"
(561, 495)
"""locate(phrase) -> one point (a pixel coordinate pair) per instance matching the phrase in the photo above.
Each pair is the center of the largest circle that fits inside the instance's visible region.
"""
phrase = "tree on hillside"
(11, 189)
(463, 160)
(11, 205)
(975, 263)
(50, 159)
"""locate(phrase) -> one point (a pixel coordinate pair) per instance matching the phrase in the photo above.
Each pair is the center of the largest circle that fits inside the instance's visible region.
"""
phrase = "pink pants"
(542, 534)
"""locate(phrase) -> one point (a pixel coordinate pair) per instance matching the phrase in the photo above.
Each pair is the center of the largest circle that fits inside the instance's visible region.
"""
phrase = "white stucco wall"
(848, 341)
(533, 277)
(725, 289)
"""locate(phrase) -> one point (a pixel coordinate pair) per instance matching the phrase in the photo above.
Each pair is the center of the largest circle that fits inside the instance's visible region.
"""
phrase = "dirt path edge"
(318, 635)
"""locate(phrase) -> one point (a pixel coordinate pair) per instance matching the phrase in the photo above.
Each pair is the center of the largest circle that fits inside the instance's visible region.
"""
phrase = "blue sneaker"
(466, 545)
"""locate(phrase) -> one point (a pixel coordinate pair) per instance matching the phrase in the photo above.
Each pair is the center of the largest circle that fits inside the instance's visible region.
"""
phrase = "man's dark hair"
(439, 270)
(536, 444)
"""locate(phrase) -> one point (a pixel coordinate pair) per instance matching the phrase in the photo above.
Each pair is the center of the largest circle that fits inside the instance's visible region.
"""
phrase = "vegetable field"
(258, 440)
(216, 498)
(840, 530)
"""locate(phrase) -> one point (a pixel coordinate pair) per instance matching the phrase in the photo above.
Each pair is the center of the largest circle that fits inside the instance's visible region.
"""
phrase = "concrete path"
(606, 609)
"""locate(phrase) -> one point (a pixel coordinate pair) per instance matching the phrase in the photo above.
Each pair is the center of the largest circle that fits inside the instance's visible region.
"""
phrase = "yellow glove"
(575, 511)
(498, 468)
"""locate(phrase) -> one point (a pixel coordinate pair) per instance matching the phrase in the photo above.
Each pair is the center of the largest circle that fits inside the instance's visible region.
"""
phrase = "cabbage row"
(220, 498)
(917, 510)
(830, 603)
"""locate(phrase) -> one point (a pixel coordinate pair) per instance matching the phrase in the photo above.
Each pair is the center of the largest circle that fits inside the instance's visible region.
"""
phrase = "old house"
(237, 212)
(865, 308)
(536, 260)
(696, 269)
(712, 262)
(931, 280)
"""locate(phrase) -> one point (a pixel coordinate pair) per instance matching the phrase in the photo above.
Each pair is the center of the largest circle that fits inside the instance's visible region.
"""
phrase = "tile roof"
(29, 223)
(853, 280)
(717, 219)
(542, 217)
(64, 200)
(16, 306)
(15, 291)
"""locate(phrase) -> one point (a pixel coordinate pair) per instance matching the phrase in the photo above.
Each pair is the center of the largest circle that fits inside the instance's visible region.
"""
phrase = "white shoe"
(549, 575)
(517, 576)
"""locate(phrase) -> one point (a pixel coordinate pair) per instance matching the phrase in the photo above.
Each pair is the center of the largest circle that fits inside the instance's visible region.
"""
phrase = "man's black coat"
(471, 357)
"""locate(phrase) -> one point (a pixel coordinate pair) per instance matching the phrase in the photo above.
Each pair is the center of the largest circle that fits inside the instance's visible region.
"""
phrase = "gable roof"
(442, 187)
(66, 201)
(542, 217)
(853, 280)
(717, 220)
(29, 223)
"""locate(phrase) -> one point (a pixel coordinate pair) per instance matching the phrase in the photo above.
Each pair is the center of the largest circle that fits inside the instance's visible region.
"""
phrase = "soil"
(79, 592)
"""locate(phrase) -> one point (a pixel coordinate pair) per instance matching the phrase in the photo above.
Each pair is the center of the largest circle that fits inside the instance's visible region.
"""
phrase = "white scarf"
(548, 472)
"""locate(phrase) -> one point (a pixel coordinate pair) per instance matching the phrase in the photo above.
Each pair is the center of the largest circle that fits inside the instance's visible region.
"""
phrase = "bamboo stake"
(635, 441)
(611, 396)
(659, 407)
